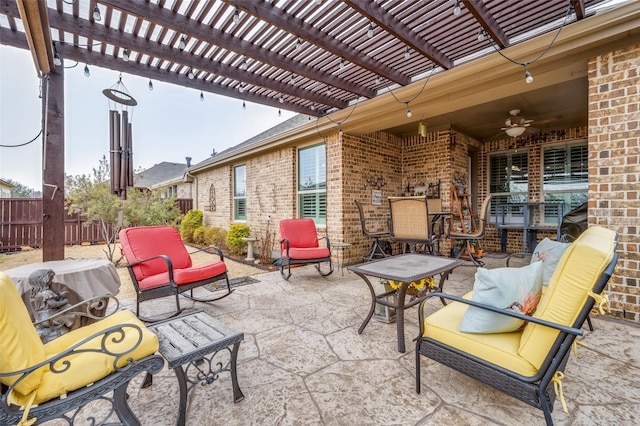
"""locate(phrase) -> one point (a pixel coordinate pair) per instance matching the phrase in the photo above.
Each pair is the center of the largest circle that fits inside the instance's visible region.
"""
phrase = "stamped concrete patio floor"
(303, 363)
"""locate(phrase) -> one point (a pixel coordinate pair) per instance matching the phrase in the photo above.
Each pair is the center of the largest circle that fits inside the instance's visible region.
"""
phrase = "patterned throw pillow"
(549, 252)
(516, 289)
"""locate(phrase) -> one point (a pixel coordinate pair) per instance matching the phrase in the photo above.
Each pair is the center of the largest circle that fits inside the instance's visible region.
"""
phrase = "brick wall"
(614, 170)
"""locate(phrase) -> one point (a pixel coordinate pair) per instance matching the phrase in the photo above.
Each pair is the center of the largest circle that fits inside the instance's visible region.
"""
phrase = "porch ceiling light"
(515, 131)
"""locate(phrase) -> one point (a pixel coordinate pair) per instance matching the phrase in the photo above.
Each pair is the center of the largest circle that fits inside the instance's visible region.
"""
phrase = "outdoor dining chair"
(410, 223)
(376, 251)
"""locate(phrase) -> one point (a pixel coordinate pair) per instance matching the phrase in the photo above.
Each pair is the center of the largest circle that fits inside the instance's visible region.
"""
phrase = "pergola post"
(53, 211)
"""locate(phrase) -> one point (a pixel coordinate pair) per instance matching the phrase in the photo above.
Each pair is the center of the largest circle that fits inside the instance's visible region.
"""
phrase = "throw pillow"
(549, 253)
(516, 289)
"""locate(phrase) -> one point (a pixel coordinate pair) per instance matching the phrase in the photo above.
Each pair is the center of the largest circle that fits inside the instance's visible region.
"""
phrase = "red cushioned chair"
(300, 246)
(160, 266)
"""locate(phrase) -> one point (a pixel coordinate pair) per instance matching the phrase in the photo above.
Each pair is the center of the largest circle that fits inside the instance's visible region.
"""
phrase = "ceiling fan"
(515, 125)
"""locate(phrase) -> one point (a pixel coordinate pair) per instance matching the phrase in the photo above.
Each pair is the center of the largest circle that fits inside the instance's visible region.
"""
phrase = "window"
(171, 192)
(312, 183)
(240, 192)
(509, 181)
(565, 176)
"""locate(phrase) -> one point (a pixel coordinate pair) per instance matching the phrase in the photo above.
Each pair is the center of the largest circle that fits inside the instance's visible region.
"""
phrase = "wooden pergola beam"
(479, 11)
(36, 27)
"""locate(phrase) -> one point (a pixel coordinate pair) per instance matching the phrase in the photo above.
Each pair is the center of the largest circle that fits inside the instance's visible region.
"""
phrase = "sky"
(169, 123)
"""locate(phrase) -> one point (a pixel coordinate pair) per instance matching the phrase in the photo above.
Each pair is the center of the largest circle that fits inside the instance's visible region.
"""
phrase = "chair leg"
(324, 274)
(286, 277)
(474, 260)
(199, 299)
(589, 323)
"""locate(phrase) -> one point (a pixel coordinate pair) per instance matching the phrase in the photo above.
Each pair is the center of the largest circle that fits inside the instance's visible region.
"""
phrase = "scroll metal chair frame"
(111, 389)
(466, 237)
(376, 250)
(308, 248)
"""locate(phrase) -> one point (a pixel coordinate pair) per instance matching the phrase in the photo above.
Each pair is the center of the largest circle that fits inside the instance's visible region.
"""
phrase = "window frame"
(320, 191)
(239, 198)
(514, 215)
(565, 194)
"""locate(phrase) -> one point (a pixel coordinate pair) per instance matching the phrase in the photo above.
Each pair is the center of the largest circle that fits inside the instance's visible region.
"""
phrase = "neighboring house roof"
(6, 184)
(292, 123)
(160, 173)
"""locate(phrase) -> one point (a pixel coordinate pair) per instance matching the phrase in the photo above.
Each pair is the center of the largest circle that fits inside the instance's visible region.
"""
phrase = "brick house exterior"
(611, 132)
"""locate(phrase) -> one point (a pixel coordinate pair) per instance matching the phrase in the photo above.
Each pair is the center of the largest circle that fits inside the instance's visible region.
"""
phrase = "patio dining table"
(405, 268)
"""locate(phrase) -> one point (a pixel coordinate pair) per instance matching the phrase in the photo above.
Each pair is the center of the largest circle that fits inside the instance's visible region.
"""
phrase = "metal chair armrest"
(85, 309)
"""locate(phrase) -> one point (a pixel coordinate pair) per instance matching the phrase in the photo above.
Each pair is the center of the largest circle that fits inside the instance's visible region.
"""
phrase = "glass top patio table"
(406, 268)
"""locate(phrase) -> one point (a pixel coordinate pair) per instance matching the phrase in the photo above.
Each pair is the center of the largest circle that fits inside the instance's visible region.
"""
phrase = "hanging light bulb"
(407, 55)
(298, 44)
(150, 85)
(236, 16)
(191, 74)
(528, 77)
(241, 88)
(244, 105)
(96, 14)
(456, 10)
(377, 80)
(342, 63)
(57, 61)
(340, 133)
(370, 30)
(292, 79)
(182, 44)
(328, 91)
(480, 34)
(243, 66)
(125, 55)
(312, 107)
(201, 96)
(409, 112)
(281, 99)
(86, 70)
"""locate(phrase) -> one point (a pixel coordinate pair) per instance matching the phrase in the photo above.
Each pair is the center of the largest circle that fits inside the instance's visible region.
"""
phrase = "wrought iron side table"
(341, 248)
(406, 268)
(189, 344)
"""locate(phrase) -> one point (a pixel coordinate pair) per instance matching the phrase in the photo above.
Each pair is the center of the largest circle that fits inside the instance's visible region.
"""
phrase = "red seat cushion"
(303, 239)
(143, 242)
(185, 276)
(307, 253)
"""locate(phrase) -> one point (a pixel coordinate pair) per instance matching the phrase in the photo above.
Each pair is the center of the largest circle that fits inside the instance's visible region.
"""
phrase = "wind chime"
(121, 105)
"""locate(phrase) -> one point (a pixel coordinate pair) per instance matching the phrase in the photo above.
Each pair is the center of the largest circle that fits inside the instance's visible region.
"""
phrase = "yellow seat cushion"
(21, 346)
(498, 348)
(86, 368)
(577, 272)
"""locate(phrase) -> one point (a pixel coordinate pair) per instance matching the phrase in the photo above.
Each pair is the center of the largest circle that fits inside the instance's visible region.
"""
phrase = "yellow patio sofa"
(524, 363)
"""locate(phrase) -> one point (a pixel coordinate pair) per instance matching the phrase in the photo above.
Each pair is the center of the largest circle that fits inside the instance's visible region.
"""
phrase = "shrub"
(198, 235)
(215, 237)
(191, 221)
(237, 231)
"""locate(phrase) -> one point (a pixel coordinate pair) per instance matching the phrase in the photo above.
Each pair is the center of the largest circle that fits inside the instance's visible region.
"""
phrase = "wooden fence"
(21, 224)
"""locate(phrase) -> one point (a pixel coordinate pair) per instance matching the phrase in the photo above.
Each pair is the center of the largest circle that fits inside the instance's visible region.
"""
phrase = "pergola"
(316, 57)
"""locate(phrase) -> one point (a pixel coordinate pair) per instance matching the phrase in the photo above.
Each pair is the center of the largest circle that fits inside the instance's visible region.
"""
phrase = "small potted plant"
(459, 181)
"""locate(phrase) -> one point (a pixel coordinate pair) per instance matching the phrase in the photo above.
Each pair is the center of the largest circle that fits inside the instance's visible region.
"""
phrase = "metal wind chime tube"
(120, 138)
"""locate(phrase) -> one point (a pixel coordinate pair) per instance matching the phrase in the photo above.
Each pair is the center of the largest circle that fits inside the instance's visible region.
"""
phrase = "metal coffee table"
(406, 268)
(189, 344)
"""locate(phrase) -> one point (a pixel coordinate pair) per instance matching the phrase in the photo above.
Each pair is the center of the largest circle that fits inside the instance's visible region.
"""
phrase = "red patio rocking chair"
(160, 266)
(300, 246)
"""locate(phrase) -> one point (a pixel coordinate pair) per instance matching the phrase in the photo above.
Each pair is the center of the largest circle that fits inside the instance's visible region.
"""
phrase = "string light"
(281, 99)
(236, 16)
(407, 55)
(312, 107)
(480, 34)
(87, 73)
(191, 74)
(125, 55)
(241, 88)
(298, 44)
(342, 63)
(370, 30)
(456, 10)
(243, 66)
(408, 111)
(328, 91)
(96, 13)
(377, 80)
(182, 44)
(57, 61)
(150, 85)
(201, 96)
(527, 76)
(292, 79)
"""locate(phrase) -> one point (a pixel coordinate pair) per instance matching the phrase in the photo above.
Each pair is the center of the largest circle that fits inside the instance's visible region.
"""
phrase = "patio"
(302, 362)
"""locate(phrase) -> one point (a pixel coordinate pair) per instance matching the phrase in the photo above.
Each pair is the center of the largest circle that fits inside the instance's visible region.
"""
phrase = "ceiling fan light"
(515, 131)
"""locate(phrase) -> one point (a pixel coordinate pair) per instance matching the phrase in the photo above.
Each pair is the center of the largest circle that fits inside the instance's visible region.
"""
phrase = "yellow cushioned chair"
(525, 364)
(82, 365)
